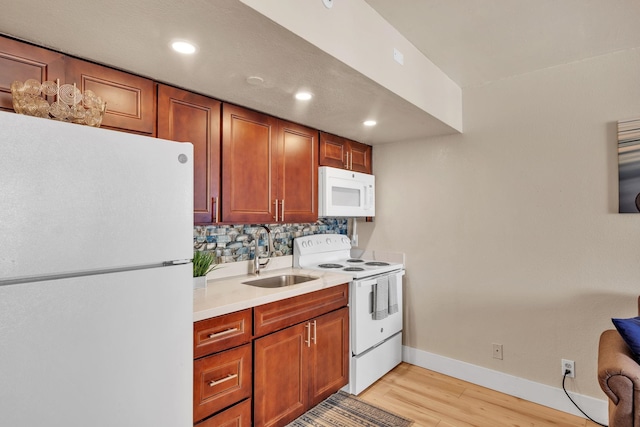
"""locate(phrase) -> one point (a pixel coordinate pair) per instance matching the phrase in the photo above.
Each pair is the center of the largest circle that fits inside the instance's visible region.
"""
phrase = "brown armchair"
(619, 377)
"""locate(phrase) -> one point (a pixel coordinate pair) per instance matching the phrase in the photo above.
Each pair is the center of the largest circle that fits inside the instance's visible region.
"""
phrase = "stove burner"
(353, 269)
(330, 266)
(355, 260)
(377, 263)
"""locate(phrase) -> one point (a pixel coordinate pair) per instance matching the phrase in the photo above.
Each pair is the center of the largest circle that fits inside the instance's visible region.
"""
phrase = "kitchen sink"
(279, 281)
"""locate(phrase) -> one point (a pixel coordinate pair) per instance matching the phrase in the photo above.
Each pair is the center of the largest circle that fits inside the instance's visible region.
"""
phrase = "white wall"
(511, 230)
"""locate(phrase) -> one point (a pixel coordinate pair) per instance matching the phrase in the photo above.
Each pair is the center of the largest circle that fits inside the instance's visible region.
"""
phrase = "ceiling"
(472, 41)
(479, 41)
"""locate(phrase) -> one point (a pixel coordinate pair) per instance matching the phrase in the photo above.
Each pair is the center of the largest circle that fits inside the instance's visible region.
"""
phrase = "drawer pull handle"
(219, 334)
(227, 378)
(308, 328)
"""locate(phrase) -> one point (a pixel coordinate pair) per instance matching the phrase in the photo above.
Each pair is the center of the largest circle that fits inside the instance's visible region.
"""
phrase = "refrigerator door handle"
(176, 262)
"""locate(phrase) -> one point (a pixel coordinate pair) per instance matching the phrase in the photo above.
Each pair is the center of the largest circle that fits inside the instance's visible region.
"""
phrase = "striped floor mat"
(343, 409)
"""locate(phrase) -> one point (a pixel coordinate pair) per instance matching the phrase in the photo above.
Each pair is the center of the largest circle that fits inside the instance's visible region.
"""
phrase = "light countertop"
(228, 294)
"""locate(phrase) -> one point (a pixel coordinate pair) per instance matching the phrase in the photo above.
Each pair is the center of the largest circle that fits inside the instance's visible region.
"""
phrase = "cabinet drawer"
(221, 380)
(271, 317)
(237, 416)
(222, 332)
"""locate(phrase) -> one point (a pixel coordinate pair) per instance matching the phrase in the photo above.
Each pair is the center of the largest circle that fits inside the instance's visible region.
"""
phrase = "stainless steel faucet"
(257, 265)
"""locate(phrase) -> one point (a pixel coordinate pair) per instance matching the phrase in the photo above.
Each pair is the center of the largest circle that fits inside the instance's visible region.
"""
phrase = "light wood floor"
(433, 399)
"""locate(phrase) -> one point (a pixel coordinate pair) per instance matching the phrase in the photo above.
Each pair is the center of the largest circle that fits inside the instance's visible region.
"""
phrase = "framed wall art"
(629, 165)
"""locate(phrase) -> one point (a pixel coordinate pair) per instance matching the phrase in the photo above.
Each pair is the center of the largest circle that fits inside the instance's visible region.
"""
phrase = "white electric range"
(375, 338)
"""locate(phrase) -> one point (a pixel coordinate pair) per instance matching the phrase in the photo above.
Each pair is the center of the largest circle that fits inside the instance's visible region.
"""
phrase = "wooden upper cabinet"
(188, 117)
(343, 153)
(269, 168)
(333, 151)
(22, 61)
(248, 183)
(297, 169)
(131, 99)
(360, 157)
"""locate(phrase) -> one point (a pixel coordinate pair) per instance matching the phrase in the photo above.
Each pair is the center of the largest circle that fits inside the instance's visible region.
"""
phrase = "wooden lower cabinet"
(299, 366)
(237, 416)
(221, 380)
(329, 362)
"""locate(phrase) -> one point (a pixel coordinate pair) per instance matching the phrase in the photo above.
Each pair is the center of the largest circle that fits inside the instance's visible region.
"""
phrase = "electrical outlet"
(569, 365)
(497, 351)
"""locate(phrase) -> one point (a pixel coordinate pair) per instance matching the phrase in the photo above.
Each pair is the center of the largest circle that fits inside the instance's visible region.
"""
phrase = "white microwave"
(344, 193)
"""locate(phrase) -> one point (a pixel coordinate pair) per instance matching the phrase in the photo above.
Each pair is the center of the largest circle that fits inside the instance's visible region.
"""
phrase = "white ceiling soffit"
(479, 41)
(235, 42)
(357, 35)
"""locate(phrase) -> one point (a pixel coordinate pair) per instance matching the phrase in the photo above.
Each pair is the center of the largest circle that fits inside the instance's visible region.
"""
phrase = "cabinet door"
(333, 151)
(359, 157)
(22, 61)
(248, 186)
(281, 376)
(330, 357)
(297, 169)
(187, 117)
(131, 99)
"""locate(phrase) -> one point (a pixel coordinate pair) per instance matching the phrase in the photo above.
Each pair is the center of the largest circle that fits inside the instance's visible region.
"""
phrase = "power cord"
(564, 377)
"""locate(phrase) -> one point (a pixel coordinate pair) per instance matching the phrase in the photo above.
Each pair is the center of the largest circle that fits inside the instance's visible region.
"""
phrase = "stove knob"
(345, 240)
(304, 244)
(310, 243)
(328, 240)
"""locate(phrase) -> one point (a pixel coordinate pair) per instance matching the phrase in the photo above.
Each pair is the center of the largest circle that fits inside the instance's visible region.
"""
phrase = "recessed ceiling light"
(183, 47)
(303, 96)
(255, 80)
(370, 123)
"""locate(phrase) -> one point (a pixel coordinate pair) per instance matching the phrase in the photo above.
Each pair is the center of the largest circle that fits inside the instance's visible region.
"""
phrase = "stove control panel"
(318, 243)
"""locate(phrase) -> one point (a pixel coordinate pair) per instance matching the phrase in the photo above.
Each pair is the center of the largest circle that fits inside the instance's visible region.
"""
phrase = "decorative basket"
(68, 103)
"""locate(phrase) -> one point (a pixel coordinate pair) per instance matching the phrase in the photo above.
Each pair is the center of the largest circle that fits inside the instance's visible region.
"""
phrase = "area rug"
(342, 409)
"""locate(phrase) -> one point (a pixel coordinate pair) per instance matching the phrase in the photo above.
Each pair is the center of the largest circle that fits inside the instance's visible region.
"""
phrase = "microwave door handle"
(366, 197)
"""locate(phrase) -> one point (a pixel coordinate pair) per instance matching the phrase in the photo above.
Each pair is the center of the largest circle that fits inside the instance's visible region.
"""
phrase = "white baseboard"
(542, 394)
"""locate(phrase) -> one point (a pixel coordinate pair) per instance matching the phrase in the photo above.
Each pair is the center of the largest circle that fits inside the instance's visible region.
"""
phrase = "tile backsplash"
(231, 243)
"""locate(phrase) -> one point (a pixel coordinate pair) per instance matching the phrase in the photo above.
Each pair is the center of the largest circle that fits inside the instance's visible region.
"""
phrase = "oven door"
(365, 331)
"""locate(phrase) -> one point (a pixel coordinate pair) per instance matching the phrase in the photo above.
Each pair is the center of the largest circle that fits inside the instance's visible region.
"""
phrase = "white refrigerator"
(96, 295)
